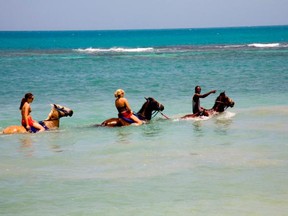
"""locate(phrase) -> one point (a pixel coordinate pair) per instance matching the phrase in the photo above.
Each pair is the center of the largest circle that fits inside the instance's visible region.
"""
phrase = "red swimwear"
(126, 114)
(30, 121)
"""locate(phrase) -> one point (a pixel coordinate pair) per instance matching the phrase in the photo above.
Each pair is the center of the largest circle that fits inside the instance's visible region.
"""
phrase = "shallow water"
(232, 164)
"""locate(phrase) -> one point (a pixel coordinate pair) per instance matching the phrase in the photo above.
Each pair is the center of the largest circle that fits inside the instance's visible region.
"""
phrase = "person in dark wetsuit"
(123, 107)
(196, 108)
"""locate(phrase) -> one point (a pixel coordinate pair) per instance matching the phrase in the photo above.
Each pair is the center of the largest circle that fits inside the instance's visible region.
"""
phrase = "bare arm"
(26, 108)
(127, 104)
(205, 95)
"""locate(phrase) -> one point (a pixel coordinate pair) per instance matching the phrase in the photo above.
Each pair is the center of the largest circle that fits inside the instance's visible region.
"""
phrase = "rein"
(164, 115)
(154, 113)
(59, 114)
(221, 102)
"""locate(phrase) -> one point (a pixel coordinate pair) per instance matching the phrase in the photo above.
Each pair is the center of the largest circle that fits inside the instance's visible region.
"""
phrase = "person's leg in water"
(38, 126)
(136, 120)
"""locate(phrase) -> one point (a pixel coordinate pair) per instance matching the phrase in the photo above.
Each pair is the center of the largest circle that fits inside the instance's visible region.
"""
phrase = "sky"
(139, 14)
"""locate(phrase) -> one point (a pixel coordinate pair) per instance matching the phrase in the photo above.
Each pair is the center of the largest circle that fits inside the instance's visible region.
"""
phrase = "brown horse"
(149, 108)
(222, 102)
(51, 122)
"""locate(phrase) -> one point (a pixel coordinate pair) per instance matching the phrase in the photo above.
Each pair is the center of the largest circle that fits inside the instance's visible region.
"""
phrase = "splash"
(225, 115)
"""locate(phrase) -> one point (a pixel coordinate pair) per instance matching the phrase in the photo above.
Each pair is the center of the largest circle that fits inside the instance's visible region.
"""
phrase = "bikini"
(125, 114)
(30, 121)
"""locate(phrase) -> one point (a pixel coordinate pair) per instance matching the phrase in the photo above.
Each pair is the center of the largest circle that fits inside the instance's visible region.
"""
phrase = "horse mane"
(220, 95)
(217, 99)
(144, 106)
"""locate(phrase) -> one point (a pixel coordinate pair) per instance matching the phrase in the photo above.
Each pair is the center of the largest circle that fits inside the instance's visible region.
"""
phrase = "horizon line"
(146, 29)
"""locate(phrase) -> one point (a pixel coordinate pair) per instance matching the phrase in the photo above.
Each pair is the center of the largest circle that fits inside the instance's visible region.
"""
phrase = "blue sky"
(139, 14)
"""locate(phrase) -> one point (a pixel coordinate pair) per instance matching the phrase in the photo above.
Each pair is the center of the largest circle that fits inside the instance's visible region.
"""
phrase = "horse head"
(153, 104)
(58, 111)
(222, 102)
(150, 106)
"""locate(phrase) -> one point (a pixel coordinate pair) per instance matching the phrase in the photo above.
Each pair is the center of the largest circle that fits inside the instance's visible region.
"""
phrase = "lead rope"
(164, 115)
(156, 112)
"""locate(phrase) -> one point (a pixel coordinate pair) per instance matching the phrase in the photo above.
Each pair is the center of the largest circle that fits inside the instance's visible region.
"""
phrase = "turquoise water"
(232, 164)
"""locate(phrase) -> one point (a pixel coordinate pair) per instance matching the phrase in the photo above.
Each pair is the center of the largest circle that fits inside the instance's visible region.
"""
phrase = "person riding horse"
(123, 107)
(148, 110)
(25, 108)
(196, 108)
(222, 102)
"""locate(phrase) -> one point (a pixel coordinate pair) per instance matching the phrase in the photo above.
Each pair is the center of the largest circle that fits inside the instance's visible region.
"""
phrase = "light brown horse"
(150, 107)
(51, 122)
(222, 102)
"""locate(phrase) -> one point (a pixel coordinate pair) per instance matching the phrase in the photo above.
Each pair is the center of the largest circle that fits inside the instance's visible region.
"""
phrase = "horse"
(149, 109)
(222, 102)
(51, 122)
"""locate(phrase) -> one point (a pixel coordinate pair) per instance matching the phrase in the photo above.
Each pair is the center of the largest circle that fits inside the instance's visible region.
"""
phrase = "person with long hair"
(25, 108)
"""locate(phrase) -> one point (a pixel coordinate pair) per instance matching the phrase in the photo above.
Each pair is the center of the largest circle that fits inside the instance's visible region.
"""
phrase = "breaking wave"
(115, 49)
(181, 48)
(260, 45)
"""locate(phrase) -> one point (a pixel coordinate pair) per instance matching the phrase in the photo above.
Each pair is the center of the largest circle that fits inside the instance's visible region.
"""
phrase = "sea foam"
(114, 49)
(268, 45)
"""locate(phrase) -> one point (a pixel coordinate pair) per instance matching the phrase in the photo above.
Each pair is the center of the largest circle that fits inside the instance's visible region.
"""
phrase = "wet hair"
(24, 99)
(118, 93)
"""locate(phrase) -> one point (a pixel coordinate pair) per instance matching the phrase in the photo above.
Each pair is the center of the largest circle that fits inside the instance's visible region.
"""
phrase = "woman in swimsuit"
(27, 120)
(123, 107)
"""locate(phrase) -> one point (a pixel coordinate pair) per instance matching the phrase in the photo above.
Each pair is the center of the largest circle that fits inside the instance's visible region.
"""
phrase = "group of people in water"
(121, 104)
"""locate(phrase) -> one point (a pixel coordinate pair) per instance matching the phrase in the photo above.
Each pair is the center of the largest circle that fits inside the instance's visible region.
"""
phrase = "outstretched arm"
(205, 95)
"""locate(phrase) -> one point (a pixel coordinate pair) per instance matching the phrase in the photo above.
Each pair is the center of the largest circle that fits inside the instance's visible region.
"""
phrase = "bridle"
(155, 112)
(221, 102)
(66, 113)
(59, 111)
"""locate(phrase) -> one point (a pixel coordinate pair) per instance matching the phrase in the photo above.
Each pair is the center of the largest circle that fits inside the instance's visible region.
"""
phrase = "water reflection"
(152, 129)
(222, 126)
(198, 128)
(26, 145)
(28, 142)
(124, 136)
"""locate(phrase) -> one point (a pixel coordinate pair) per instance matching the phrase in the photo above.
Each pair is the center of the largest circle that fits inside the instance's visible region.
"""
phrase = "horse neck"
(52, 123)
(218, 106)
(53, 119)
(145, 111)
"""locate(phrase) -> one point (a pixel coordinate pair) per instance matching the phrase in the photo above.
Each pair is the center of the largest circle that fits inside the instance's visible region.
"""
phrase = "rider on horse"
(123, 107)
(196, 108)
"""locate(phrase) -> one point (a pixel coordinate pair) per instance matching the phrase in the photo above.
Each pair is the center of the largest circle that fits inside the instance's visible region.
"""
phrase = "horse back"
(14, 129)
(114, 122)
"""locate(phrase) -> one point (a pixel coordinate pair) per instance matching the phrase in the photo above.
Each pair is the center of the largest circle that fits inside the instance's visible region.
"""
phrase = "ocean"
(232, 164)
